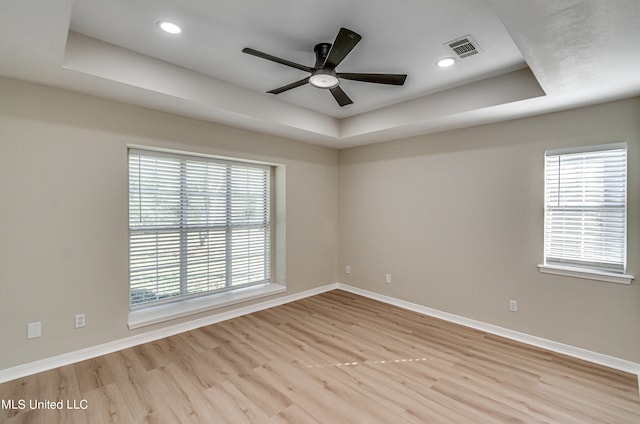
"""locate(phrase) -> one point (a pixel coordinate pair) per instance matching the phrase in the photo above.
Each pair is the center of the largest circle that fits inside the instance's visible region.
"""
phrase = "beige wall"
(63, 215)
(457, 220)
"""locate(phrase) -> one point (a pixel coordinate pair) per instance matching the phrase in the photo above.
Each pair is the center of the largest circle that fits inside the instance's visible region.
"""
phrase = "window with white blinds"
(586, 208)
(196, 226)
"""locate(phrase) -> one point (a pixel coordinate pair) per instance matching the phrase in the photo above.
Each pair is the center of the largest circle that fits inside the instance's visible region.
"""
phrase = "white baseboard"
(46, 364)
(576, 352)
(103, 349)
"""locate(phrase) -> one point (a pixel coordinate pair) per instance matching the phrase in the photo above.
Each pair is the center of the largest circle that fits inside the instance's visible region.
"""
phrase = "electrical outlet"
(80, 321)
(34, 330)
(513, 305)
(387, 278)
(347, 269)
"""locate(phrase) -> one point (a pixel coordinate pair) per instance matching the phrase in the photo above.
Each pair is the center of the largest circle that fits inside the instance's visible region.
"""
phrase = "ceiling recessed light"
(445, 62)
(169, 27)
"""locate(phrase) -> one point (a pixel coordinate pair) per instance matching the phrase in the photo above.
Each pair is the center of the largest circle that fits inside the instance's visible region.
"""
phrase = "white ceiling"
(536, 57)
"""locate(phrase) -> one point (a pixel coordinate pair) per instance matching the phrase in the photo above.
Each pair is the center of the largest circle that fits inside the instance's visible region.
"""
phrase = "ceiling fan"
(323, 73)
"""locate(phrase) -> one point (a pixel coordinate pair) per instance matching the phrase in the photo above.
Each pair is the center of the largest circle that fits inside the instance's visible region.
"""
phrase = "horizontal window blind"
(196, 226)
(585, 208)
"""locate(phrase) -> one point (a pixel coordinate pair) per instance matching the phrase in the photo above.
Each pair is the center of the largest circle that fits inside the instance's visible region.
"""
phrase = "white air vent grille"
(464, 47)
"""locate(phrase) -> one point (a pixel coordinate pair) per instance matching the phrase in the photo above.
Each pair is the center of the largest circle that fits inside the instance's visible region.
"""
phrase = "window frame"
(151, 313)
(585, 271)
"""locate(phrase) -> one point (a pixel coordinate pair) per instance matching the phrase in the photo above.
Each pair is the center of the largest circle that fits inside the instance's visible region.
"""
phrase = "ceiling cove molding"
(216, 100)
(174, 89)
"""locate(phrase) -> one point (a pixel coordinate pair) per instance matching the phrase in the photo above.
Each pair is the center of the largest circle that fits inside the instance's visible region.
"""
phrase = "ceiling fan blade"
(289, 86)
(345, 41)
(340, 96)
(276, 59)
(391, 79)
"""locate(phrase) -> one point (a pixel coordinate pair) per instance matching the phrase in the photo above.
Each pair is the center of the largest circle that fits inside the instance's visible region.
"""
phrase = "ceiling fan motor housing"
(321, 50)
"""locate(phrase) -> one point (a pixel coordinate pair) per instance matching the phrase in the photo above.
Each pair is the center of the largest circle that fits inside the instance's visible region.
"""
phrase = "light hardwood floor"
(331, 358)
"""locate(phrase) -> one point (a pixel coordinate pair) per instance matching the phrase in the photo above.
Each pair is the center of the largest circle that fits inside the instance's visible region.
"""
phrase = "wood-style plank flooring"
(331, 358)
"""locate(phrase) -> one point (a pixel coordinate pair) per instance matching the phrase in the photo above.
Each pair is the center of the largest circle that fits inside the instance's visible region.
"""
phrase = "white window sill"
(169, 311)
(588, 274)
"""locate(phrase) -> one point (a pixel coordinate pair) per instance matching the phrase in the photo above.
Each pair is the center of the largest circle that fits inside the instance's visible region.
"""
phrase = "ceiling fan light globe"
(324, 80)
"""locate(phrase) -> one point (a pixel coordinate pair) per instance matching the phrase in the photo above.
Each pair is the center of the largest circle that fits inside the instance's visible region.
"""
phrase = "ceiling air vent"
(464, 47)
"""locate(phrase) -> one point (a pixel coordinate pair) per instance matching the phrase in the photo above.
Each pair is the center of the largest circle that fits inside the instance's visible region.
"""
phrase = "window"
(197, 226)
(586, 212)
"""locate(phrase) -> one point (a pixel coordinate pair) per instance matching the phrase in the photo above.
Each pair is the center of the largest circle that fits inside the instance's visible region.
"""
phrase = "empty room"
(354, 211)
